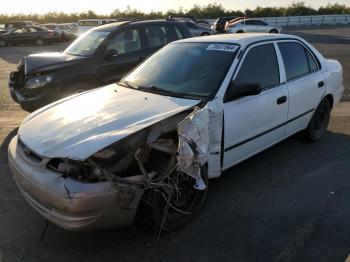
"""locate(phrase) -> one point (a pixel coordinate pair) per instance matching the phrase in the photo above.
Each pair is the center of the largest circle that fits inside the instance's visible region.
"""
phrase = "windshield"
(87, 43)
(88, 23)
(51, 27)
(191, 69)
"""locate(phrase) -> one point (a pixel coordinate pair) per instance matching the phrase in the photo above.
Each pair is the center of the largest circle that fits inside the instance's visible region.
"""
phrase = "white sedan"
(251, 26)
(146, 147)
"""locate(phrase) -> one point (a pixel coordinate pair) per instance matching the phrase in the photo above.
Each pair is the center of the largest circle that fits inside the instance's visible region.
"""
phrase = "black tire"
(39, 41)
(205, 34)
(166, 217)
(273, 31)
(318, 124)
(239, 32)
(3, 43)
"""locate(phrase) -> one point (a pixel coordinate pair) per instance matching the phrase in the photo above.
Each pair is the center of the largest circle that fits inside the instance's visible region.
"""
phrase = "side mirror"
(111, 54)
(241, 90)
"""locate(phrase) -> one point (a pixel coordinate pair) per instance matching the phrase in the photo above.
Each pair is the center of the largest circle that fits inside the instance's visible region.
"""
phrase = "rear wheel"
(3, 43)
(273, 31)
(239, 32)
(205, 33)
(319, 121)
(39, 41)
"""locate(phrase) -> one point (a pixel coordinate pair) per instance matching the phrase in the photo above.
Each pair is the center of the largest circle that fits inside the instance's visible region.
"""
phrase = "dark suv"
(101, 56)
(219, 24)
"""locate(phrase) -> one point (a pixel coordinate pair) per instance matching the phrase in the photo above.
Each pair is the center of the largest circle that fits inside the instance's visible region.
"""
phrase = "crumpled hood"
(82, 125)
(49, 61)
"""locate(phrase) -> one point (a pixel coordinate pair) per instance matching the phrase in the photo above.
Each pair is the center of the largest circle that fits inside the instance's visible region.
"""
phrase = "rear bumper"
(71, 204)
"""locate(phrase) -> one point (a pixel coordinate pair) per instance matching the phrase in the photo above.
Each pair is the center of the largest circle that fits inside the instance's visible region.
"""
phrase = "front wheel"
(319, 121)
(205, 34)
(3, 43)
(273, 31)
(173, 211)
(39, 41)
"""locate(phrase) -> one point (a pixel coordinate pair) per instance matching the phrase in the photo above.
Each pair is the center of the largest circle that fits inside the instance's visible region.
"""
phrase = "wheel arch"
(330, 99)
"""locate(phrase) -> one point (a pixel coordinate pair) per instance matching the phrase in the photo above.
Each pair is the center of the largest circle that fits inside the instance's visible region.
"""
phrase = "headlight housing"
(38, 81)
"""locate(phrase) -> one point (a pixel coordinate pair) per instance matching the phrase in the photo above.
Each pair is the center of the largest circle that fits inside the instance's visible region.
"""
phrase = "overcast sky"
(107, 6)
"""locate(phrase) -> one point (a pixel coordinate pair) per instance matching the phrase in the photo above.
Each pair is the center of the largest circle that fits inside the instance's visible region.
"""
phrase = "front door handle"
(281, 100)
(321, 83)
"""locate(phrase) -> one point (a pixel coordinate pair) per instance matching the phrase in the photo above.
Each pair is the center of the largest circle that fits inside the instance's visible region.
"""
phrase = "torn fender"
(200, 136)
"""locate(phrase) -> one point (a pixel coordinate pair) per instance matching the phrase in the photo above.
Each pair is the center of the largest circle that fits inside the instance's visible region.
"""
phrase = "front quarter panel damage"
(200, 143)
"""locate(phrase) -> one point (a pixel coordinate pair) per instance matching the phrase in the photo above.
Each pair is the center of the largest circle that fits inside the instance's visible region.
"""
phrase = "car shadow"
(283, 204)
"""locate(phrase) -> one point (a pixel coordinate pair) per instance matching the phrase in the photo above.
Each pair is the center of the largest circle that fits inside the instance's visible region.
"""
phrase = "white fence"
(304, 20)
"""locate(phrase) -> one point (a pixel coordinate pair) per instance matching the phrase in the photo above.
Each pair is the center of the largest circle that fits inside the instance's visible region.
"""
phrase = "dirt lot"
(289, 203)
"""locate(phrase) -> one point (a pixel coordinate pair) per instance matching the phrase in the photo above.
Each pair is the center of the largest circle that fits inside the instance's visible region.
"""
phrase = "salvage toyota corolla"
(146, 147)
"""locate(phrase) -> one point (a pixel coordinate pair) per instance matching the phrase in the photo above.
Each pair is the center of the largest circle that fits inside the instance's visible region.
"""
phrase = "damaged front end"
(164, 167)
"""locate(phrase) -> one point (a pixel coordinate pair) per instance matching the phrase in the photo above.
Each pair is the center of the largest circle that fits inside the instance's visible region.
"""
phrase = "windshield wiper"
(161, 91)
(127, 84)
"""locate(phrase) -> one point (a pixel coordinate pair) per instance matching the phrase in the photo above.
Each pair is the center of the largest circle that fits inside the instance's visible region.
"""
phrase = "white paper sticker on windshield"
(222, 47)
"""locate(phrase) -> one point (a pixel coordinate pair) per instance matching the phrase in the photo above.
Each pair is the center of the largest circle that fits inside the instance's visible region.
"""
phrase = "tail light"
(51, 34)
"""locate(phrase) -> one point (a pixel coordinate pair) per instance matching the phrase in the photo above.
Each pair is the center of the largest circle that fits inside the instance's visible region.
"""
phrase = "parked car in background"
(190, 18)
(6, 27)
(252, 25)
(148, 146)
(37, 35)
(101, 56)
(234, 20)
(65, 32)
(72, 26)
(86, 24)
(198, 30)
(219, 24)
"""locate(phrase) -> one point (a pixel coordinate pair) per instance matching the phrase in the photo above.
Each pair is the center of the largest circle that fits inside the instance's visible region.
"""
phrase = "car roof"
(241, 39)
(115, 25)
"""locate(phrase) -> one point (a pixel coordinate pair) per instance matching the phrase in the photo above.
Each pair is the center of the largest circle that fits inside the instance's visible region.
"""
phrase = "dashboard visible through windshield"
(87, 43)
(188, 69)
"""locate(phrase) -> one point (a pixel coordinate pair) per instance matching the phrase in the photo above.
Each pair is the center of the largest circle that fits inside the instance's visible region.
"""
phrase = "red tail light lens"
(51, 34)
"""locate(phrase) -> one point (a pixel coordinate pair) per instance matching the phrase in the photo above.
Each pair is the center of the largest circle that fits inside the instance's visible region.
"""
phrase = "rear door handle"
(281, 100)
(321, 83)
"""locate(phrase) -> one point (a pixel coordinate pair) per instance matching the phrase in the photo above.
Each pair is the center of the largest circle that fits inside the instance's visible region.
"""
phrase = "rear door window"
(259, 22)
(126, 41)
(32, 29)
(157, 35)
(295, 59)
(178, 33)
(254, 69)
(249, 22)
